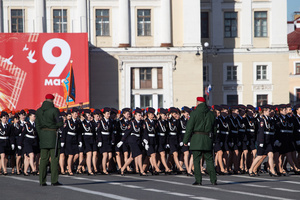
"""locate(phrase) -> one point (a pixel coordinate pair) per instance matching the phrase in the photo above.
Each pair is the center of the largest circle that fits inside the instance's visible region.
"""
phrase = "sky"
(292, 6)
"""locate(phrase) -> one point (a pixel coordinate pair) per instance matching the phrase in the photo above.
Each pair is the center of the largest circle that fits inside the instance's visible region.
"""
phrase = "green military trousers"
(208, 156)
(45, 154)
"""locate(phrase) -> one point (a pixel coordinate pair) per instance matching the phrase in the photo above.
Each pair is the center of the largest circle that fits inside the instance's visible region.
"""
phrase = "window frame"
(17, 17)
(102, 22)
(231, 73)
(261, 73)
(257, 100)
(231, 24)
(144, 22)
(207, 24)
(61, 22)
(268, 80)
(260, 19)
(295, 68)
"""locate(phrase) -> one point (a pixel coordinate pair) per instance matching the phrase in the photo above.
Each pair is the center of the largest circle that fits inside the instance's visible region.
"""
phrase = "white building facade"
(149, 52)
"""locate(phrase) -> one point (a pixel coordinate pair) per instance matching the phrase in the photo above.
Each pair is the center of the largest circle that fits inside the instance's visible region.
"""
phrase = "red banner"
(35, 64)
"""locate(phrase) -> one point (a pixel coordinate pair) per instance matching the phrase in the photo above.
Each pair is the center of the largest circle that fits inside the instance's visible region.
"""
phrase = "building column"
(165, 21)
(191, 23)
(124, 23)
(246, 30)
(82, 15)
(40, 21)
(276, 17)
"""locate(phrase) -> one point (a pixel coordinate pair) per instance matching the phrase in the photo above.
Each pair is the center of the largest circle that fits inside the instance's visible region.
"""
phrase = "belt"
(269, 133)
(218, 131)
(234, 131)
(172, 133)
(137, 135)
(286, 131)
(30, 136)
(225, 132)
(49, 129)
(151, 135)
(202, 133)
(242, 130)
(105, 133)
(4, 138)
(71, 133)
(161, 134)
(123, 133)
(87, 134)
(183, 132)
(251, 130)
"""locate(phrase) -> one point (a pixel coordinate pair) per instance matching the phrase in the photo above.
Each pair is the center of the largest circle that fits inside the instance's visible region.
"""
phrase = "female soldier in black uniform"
(15, 131)
(96, 123)
(173, 137)
(134, 133)
(233, 139)
(122, 127)
(6, 140)
(105, 139)
(89, 142)
(297, 130)
(251, 130)
(29, 138)
(185, 155)
(63, 115)
(265, 140)
(149, 139)
(242, 139)
(72, 139)
(18, 131)
(162, 127)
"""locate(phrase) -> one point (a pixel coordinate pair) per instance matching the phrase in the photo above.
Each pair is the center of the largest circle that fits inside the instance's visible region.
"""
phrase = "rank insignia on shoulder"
(261, 124)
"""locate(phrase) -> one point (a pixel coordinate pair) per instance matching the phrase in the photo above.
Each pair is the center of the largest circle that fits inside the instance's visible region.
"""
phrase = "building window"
(102, 22)
(262, 99)
(145, 78)
(146, 101)
(17, 21)
(144, 22)
(298, 95)
(231, 73)
(160, 101)
(204, 25)
(261, 72)
(232, 99)
(159, 78)
(60, 21)
(230, 24)
(260, 23)
(297, 69)
(205, 73)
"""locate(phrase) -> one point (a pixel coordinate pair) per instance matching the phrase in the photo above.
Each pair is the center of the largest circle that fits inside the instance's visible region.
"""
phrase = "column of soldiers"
(105, 141)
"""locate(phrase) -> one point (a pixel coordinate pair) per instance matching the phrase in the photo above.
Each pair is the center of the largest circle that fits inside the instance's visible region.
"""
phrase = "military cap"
(137, 110)
(150, 110)
(3, 114)
(74, 110)
(105, 109)
(186, 109)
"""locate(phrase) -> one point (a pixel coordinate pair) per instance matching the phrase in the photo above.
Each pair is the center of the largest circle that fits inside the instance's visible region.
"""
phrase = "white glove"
(298, 142)
(99, 144)
(239, 144)
(145, 141)
(276, 143)
(189, 144)
(119, 144)
(146, 147)
(80, 144)
(12, 147)
(181, 144)
(247, 143)
(167, 146)
(19, 147)
(261, 145)
(221, 144)
(62, 144)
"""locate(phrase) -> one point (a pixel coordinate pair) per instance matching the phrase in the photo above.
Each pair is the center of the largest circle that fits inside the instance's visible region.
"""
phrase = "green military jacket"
(201, 120)
(47, 122)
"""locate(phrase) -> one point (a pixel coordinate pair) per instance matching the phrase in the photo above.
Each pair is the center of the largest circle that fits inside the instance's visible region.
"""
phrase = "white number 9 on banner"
(61, 61)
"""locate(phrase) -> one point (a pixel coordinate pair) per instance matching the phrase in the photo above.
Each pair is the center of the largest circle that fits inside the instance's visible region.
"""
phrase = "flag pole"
(71, 61)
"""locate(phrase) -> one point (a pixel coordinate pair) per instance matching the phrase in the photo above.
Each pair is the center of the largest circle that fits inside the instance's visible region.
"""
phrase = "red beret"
(201, 99)
(49, 96)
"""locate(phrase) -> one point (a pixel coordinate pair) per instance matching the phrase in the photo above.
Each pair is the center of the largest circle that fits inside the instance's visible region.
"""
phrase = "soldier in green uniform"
(199, 128)
(47, 123)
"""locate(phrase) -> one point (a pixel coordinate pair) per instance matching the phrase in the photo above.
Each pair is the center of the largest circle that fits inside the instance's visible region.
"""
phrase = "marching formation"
(143, 141)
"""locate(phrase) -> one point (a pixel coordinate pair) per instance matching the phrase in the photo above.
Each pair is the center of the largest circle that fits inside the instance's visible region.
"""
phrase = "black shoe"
(271, 174)
(215, 183)
(252, 174)
(189, 174)
(143, 174)
(56, 184)
(5, 173)
(196, 183)
(44, 184)
(25, 174)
